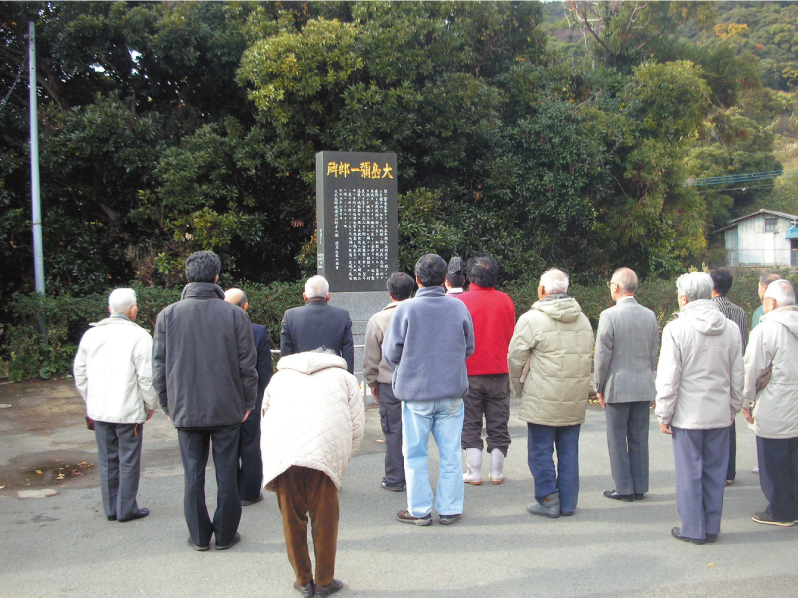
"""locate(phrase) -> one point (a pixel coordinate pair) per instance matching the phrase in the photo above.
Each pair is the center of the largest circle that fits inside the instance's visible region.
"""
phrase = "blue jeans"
(565, 478)
(444, 418)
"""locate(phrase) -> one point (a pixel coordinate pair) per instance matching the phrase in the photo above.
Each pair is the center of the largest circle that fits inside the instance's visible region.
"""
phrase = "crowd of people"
(443, 362)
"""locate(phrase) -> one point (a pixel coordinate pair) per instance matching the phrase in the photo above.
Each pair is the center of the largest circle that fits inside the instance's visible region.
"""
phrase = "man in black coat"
(204, 373)
(317, 324)
(250, 469)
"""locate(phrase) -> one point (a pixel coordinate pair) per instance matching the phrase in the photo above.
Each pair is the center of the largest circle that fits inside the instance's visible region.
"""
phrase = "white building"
(764, 238)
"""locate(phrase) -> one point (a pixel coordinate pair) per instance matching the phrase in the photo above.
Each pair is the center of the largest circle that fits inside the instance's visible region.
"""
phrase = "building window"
(771, 225)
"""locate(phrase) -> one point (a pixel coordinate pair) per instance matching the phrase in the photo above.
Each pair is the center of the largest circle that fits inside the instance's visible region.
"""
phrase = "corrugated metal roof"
(732, 224)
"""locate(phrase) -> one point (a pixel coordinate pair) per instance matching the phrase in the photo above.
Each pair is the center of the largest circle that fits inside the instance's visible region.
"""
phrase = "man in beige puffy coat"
(312, 423)
(770, 402)
(549, 360)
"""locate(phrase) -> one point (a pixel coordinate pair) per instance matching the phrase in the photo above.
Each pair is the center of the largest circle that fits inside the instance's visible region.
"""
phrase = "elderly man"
(313, 422)
(764, 281)
(627, 340)
(771, 402)
(377, 375)
(549, 361)
(204, 372)
(317, 324)
(427, 344)
(493, 315)
(722, 281)
(113, 373)
(699, 391)
(250, 469)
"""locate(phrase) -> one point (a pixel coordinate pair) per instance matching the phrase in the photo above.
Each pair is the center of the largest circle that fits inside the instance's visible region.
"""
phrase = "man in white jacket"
(113, 373)
(699, 391)
(312, 423)
(771, 402)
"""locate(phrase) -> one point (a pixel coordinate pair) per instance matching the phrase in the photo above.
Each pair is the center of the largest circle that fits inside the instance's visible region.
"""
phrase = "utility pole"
(36, 210)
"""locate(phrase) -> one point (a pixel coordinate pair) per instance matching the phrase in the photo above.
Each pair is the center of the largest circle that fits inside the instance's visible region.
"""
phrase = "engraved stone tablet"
(357, 216)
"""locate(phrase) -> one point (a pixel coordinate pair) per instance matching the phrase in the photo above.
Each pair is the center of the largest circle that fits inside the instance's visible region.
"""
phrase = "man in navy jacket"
(250, 468)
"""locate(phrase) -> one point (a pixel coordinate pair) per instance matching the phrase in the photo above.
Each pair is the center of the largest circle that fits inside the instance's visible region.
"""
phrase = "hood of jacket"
(786, 316)
(704, 316)
(112, 321)
(310, 362)
(202, 289)
(565, 309)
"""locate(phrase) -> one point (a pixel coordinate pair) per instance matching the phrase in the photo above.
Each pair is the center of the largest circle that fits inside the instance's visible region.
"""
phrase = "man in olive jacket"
(204, 373)
(549, 360)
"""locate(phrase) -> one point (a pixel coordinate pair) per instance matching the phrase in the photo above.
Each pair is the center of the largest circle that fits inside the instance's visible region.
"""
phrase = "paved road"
(63, 546)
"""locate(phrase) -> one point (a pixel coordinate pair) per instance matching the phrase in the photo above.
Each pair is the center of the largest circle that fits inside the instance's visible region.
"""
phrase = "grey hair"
(782, 291)
(695, 286)
(626, 279)
(121, 300)
(317, 286)
(554, 282)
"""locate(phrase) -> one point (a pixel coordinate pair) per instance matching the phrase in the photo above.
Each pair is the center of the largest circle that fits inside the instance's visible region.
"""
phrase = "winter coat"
(204, 359)
(556, 339)
(427, 343)
(700, 369)
(375, 370)
(312, 416)
(773, 346)
(113, 372)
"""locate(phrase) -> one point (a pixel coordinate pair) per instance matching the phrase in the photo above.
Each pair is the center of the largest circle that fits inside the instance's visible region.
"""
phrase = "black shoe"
(712, 538)
(197, 547)
(324, 591)
(676, 532)
(392, 488)
(450, 519)
(236, 539)
(566, 513)
(140, 515)
(615, 496)
(306, 590)
(246, 503)
(639, 496)
(111, 517)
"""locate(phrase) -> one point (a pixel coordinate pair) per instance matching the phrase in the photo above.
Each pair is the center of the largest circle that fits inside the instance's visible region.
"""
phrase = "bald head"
(237, 297)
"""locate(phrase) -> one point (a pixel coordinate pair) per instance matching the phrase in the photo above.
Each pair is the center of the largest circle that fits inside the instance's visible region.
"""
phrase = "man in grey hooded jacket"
(771, 402)
(699, 391)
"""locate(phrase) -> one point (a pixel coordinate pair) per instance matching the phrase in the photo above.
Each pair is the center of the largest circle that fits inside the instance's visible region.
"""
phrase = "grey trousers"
(391, 421)
(627, 440)
(119, 456)
(701, 457)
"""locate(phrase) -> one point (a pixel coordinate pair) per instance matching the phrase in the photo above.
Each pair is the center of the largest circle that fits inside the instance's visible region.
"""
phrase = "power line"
(740, 178)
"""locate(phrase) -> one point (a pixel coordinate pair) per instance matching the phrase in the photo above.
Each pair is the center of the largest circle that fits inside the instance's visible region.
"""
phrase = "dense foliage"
(546, 134)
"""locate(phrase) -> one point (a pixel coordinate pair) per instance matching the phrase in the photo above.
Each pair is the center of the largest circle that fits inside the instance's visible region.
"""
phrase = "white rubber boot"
(474, 464)
(496, 466)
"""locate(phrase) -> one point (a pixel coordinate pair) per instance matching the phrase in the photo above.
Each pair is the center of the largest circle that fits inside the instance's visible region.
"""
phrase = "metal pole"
(36, 211)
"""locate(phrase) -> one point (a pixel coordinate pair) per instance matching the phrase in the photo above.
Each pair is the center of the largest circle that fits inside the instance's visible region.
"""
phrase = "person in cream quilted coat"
(312, 423)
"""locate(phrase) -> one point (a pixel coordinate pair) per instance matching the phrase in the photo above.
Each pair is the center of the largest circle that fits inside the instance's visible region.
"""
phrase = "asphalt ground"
(64, 546)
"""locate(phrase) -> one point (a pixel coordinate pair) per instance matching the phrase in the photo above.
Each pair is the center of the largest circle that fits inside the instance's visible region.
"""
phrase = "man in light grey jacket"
(113, 373)
(771, 402)
(377, 375)
(626, 355)
(699, 391)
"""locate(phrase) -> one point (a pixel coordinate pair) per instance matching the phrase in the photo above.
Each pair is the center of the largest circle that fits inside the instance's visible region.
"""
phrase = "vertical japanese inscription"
(357, 219)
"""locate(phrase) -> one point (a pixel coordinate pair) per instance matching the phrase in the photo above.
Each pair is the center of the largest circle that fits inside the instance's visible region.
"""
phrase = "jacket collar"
(391, 305)
(437, 291)
(202, 290)
(316, 300)
(626, 299)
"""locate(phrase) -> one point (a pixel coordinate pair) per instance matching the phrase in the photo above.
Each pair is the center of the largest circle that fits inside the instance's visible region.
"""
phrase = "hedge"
(32, 354)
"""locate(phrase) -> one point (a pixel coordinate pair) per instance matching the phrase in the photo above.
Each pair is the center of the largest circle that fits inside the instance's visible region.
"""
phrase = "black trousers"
(391, 422)
(250, 468)
(778, 476)
(731, 470)
(194, 447)
(488, 396)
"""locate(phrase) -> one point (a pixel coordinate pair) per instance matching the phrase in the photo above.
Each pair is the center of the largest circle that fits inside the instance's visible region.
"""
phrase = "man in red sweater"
(493, 315)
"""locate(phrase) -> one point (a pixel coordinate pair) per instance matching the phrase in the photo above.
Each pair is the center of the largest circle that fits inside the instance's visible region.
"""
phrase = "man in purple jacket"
(427, 344)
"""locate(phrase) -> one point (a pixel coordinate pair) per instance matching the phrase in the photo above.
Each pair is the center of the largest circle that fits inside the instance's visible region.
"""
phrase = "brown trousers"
(300, 491)
(488, 395)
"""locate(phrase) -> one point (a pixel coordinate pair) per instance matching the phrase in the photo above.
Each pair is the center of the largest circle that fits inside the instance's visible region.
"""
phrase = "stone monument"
(357, 233)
